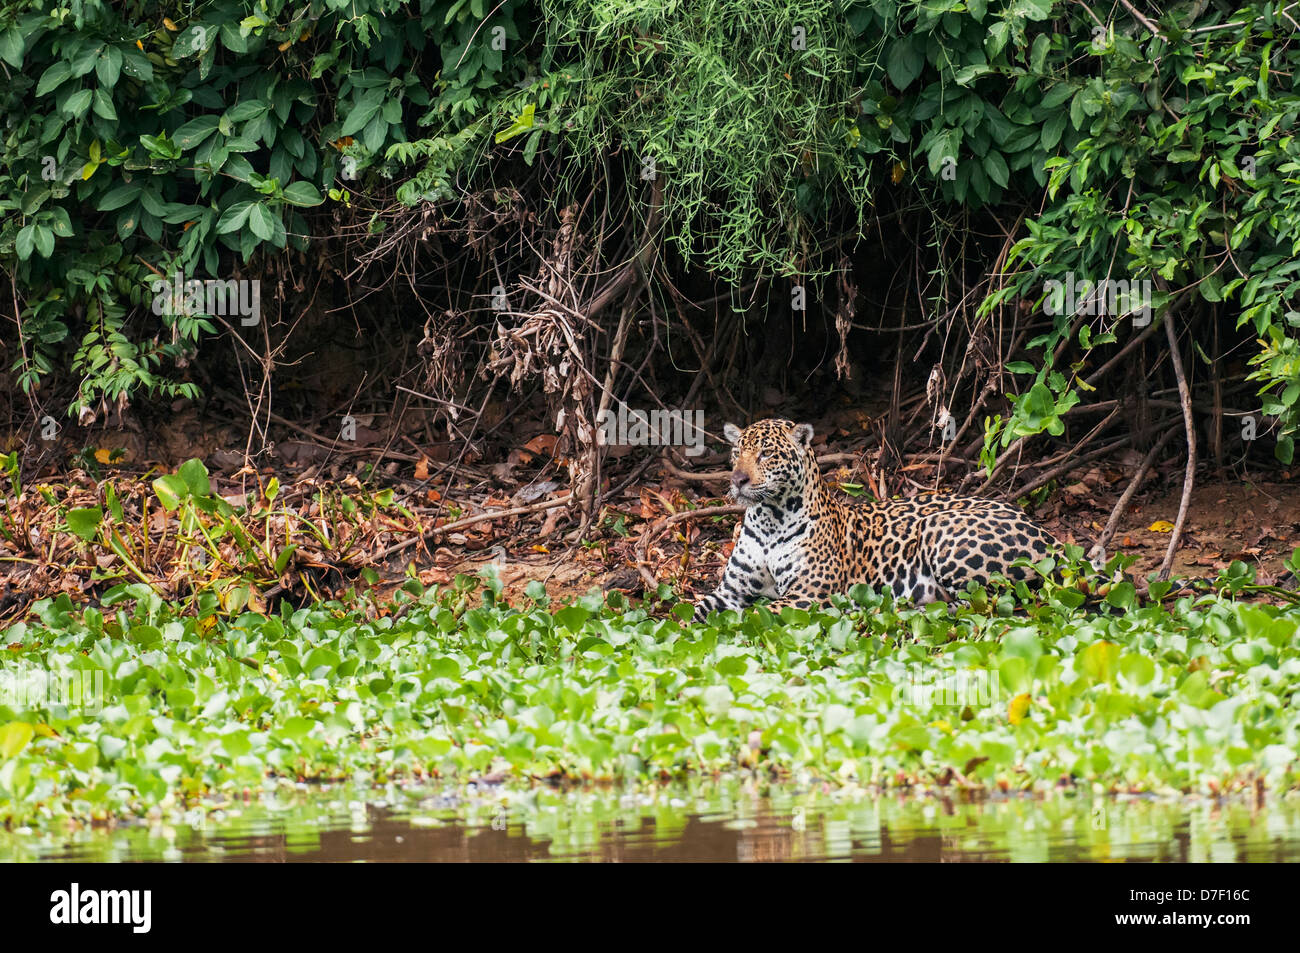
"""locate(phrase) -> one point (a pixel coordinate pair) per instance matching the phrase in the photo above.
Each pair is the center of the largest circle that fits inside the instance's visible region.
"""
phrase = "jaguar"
(802, 540)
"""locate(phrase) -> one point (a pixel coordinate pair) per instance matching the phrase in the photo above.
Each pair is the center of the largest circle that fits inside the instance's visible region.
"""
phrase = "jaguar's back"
(932, 546)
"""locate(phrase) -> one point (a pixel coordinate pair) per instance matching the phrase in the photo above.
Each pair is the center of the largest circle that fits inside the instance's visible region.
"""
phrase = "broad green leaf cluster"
(1002, 693)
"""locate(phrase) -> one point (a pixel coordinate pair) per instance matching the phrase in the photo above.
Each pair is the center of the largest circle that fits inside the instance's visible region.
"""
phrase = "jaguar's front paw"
(704, 608)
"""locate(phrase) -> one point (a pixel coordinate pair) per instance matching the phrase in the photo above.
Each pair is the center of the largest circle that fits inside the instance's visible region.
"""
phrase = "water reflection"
(727, 820)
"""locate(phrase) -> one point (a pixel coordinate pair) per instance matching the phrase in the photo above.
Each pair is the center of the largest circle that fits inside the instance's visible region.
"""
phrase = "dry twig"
(655, 528)
(1189, 426)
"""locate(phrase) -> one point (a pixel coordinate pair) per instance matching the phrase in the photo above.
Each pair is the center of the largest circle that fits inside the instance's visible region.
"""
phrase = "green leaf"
(136, 65)
(1038, 54)
(523, 122)
(246, 110)
(262, 222)
(1078, 114)
(192, 133)
(282, 560)
(236, 743)
(904, 61)
(572, 617)
(44, 240)
(1056, 95)
(1052, 130)
(84, 521)
(375, 133)
(303, 194)
(997, 38)
(296, 727)
(195, 475)
(1122, 595)
(943, 150)
(368, 104)
(58, 72)
(233, 218)
(61, 224)
(1036, 9)
(77, 104)
(996, 168)
(103, 106)
(11, 47)
(171, 490)
(1099, 660)
(119, 197)
(1022, 643)
(108, 67)
(14, 737)
(444, 668)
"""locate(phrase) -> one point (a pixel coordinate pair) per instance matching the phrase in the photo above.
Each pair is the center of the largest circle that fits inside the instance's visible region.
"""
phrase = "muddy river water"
(728, 820)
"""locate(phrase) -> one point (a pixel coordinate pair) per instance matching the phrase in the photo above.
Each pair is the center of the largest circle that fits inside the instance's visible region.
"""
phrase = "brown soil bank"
(454, 509)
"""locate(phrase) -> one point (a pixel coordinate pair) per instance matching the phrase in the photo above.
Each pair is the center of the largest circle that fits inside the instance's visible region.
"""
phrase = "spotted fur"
(802, 541)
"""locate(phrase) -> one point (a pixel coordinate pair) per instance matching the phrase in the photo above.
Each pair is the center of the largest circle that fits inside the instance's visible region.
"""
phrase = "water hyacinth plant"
(1010, 691)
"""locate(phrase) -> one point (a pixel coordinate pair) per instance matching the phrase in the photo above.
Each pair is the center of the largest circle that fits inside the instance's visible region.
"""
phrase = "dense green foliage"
(138, 146)
(143, 138)
(1197, 697)
(1172, 160)
(749, 111)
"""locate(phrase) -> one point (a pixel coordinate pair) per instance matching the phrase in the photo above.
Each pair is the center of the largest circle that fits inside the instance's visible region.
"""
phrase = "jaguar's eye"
(760, 458)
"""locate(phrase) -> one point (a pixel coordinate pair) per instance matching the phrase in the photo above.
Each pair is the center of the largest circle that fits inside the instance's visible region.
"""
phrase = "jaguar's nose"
(739, 479)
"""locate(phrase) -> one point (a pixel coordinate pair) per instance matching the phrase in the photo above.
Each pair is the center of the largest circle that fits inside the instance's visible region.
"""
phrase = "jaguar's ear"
(802, 434)
(732, 433)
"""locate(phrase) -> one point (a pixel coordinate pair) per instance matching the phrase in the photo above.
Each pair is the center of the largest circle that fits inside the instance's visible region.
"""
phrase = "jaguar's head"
(770, 460)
